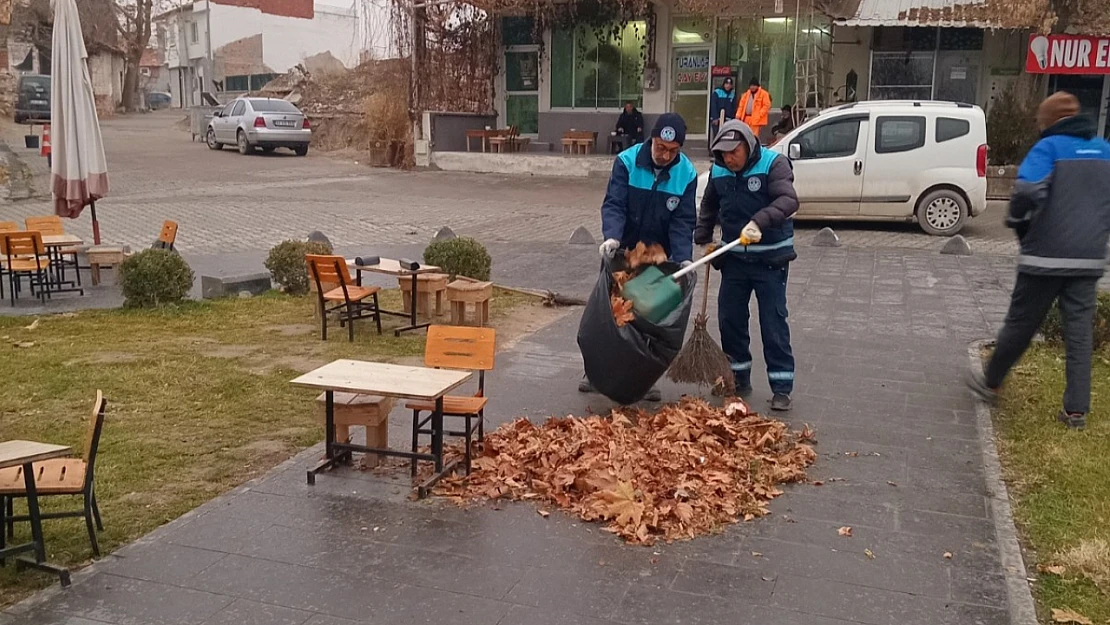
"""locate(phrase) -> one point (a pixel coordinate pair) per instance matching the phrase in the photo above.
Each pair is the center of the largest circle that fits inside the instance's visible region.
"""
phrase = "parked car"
(157, 100)
(890, 161)
(260, 123)
(33, 101)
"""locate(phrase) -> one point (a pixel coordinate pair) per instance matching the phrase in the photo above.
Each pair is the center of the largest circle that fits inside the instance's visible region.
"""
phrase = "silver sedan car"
(259, 123)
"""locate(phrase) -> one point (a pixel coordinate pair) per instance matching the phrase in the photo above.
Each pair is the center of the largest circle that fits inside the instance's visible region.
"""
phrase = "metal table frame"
(37, 545)
(414, 321)
(336, 453)
(53, 252)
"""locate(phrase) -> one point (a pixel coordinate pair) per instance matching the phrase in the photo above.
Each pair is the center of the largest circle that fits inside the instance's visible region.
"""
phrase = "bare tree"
(134, 24)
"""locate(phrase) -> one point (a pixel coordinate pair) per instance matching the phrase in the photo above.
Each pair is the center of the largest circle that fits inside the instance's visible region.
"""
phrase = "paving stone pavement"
(226, 203)
(881, 338)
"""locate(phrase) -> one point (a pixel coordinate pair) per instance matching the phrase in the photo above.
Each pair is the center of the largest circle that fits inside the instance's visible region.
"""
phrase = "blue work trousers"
(739, 278)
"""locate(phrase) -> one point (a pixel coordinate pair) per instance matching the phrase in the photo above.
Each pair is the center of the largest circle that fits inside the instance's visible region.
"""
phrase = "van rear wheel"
(942, 213)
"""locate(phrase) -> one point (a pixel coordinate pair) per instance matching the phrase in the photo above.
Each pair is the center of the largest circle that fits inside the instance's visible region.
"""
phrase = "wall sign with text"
(1068, 54)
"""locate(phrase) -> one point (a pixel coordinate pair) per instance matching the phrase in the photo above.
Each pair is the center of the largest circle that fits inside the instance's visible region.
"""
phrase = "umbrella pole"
(95, 224)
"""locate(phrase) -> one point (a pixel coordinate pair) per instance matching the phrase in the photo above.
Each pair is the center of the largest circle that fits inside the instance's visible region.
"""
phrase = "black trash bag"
(622, 363)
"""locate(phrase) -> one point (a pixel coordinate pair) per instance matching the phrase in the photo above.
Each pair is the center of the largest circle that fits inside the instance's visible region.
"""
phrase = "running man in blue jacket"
(1060, 210)
(651, 199)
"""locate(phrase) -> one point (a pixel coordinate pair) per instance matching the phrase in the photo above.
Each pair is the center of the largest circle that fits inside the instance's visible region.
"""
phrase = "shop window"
(597, 73)
(832, 140)
(764, 48)
(237, 83)
(518, 31)
(902, 75)
(691, 31)
(960, 39)
(949, 129)
(899, 134)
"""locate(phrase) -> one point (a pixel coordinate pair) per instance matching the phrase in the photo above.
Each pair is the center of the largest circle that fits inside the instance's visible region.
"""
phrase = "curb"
(1022, 609)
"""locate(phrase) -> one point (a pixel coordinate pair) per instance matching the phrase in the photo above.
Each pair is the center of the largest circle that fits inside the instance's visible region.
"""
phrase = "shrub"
(1053, 326)
(154, 278)
(1011, 125)
(287, 267)
(459, 257)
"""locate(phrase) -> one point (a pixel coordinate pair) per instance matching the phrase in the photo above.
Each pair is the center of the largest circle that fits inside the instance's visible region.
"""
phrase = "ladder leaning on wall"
(812, 52)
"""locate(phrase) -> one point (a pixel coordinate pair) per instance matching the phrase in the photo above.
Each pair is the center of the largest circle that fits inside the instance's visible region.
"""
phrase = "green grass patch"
(1060, 480)
(199, 401)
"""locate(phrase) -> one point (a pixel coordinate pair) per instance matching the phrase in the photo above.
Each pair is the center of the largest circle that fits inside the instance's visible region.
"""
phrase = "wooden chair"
(461, 348)
(23, 254)
(348, 298)
(507, 140)
(579, 141)
(9, 226)
(64, 476)
(168, 236)
(51, 225)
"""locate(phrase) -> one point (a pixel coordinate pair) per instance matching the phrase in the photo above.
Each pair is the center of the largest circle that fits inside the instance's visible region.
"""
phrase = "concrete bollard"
(581, 236)
(957, 246)
(826, 237)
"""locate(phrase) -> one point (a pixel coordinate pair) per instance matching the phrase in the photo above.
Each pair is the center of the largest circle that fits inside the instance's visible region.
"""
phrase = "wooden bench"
(427, 285)
(579, 142)
(460, 293)
(369, 411)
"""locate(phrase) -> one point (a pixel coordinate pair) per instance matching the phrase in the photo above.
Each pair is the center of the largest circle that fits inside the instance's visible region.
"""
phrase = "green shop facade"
(579, 77)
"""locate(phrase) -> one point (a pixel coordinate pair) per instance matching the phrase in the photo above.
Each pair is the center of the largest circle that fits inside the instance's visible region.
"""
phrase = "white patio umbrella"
(78, 171)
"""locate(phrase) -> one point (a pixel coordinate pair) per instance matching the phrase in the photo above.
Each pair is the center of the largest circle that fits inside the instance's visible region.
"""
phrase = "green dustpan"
(654, 295)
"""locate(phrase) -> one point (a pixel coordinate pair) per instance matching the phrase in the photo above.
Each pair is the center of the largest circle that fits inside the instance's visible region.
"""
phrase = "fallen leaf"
(1054, 569)
(24, 344)
(34, 324)
(1067, 615)
(622, 310)
(947, 555)
(892, 483)
(544, 513)
(756, 554)
(845, 531)
(870, 554)
(643, 255)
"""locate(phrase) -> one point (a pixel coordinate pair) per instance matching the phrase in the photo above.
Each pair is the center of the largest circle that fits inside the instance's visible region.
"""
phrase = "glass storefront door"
(522, 89)
(690, 93)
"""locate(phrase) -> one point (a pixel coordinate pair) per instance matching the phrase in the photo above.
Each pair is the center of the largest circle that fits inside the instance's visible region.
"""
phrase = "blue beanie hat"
(670, 127)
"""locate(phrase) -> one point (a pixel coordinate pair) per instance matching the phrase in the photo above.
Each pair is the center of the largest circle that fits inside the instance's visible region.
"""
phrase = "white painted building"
(232, 46)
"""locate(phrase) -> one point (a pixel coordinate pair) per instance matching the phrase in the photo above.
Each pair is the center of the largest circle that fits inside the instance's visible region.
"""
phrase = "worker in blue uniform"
(651, 200)
(751, 196)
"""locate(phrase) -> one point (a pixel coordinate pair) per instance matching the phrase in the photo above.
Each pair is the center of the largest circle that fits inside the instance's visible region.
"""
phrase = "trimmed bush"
(1053, 326)
(1011, 130)
(154, 278)
(459, 257)
(287, 267)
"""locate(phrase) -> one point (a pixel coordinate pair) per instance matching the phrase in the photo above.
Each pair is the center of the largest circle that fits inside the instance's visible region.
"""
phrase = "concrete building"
(233, 46)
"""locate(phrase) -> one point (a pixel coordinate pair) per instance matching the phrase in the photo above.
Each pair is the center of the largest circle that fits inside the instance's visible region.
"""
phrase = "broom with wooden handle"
(701, 360)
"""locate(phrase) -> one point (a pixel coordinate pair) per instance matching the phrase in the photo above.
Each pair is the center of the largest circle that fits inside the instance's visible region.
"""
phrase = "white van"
(890, 161)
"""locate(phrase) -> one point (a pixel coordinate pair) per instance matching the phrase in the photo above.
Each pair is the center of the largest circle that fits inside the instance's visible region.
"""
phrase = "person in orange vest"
(754, 106)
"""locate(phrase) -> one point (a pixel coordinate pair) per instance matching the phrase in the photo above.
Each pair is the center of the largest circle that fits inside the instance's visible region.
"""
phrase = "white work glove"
(684, 264)
(750, 234)
(609, 248)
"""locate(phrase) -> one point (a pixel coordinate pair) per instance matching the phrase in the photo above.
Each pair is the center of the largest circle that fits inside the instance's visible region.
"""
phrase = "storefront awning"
(950, 13)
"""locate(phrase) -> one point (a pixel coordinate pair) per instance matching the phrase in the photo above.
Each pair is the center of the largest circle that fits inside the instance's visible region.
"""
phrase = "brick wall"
(240, 57)
(285, 8)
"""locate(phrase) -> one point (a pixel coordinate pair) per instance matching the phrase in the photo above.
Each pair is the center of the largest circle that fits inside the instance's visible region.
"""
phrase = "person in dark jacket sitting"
(630, 126)
(651, 200)
(1060, 210)
(723, 99)
(751, 195)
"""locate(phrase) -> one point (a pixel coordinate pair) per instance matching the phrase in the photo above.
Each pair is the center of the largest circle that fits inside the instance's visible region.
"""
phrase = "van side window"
(832, 140)
(949, 129)
(899, 134)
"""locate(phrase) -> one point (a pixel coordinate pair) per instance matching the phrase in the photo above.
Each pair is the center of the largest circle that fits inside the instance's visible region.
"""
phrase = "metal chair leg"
(3, 522)
(96, 513)
(90, 525)
(415, 439)
(10, 504)
(350, 322)
(377, 313)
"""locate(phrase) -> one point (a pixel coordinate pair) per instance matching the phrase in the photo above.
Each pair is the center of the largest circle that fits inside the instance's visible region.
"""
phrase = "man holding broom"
(751, 195)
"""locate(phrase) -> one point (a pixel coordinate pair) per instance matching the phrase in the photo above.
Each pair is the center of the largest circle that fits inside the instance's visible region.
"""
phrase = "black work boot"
(653, 395)
(977, 384)
(585, 387)
(1074, 420)
(781, 402)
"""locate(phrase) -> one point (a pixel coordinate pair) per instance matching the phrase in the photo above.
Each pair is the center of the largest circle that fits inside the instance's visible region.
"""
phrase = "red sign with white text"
(1068, 54)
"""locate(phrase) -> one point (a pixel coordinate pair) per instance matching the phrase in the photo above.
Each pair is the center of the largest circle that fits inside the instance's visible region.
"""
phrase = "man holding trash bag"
(651, 199)
(751, 193)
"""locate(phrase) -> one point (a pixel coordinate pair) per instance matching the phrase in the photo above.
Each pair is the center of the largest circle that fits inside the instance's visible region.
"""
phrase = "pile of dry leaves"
(674, 474)
(636, 260)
